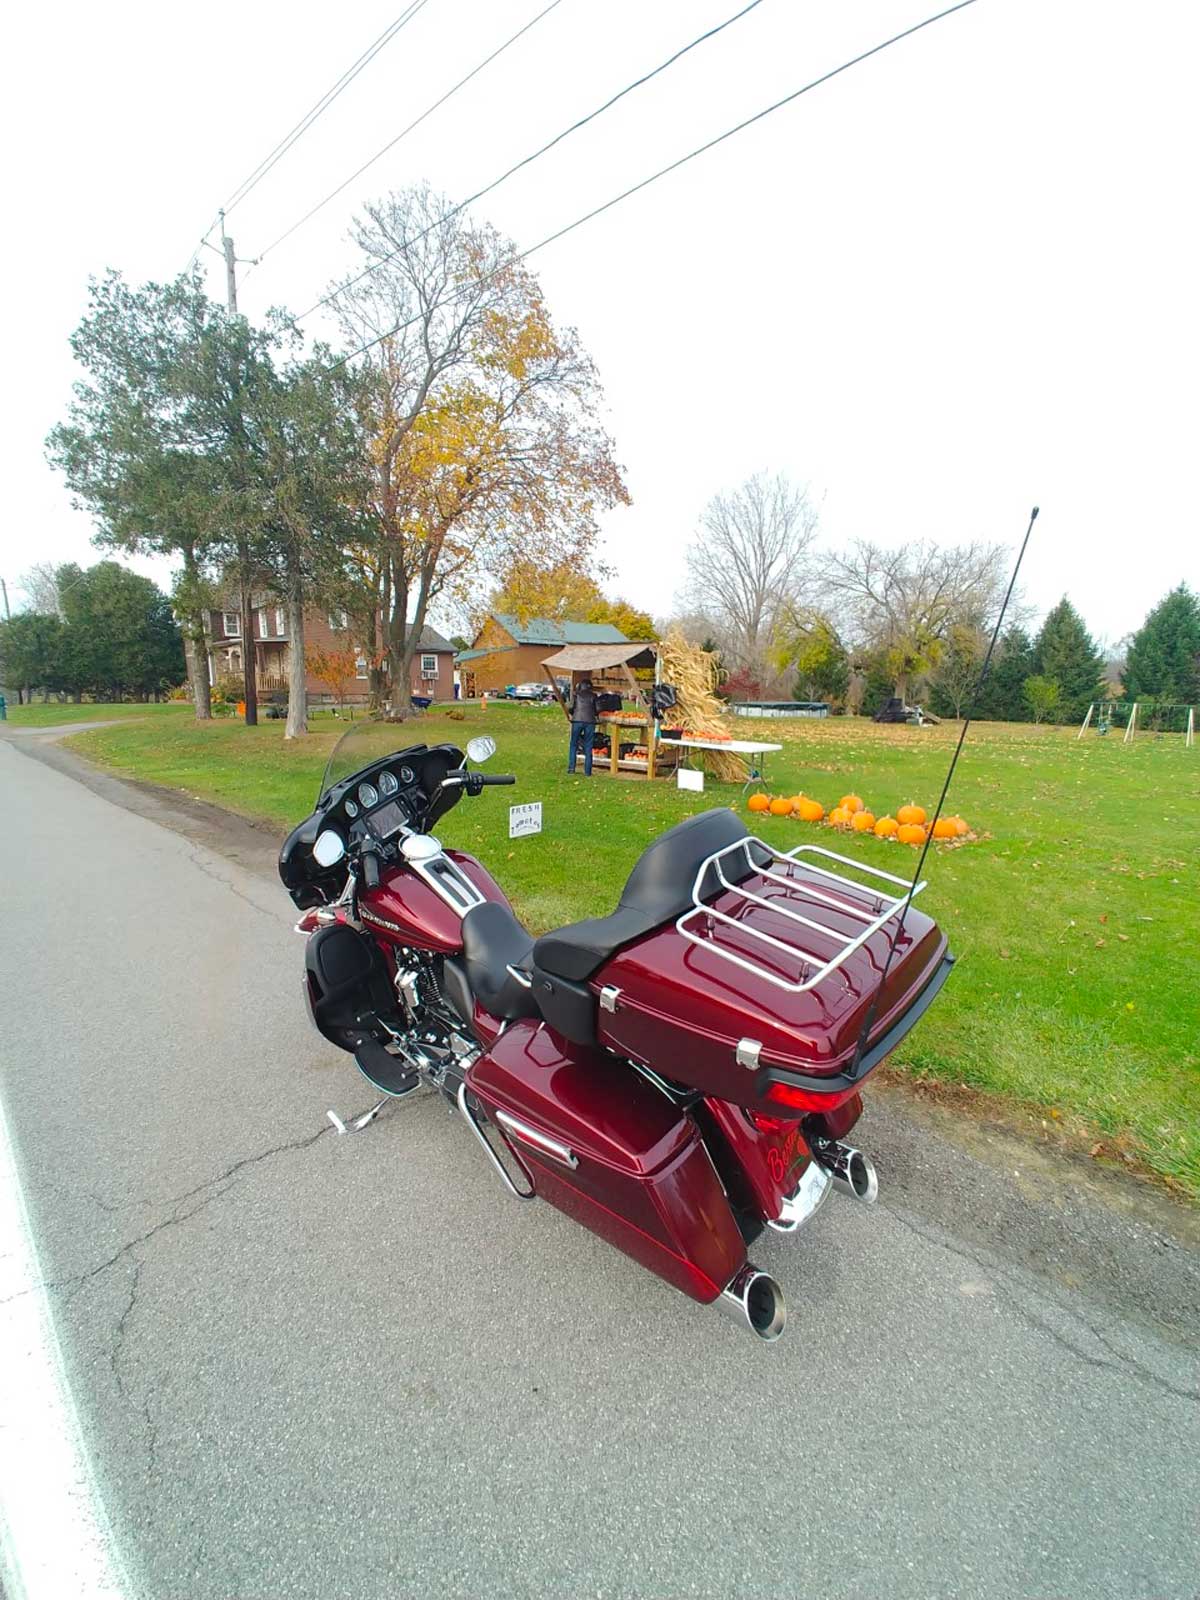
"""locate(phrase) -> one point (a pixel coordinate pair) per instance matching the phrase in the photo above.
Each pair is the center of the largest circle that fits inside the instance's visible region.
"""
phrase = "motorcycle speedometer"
(368, 794)
(351, 809)
(387, 783)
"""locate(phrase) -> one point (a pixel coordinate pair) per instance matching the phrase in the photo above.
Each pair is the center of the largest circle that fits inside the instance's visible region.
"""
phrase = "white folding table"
(739, 747)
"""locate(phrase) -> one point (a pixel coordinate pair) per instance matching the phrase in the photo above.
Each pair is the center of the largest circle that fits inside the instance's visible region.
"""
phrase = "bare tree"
(905, 601)
(746, 568)
(40, 587)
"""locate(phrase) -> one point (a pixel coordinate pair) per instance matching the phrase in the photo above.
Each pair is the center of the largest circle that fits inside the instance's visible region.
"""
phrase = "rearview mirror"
(329, 848)
(481, 748)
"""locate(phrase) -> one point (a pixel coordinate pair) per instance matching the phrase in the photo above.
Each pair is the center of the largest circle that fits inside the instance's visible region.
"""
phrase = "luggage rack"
(887, 906)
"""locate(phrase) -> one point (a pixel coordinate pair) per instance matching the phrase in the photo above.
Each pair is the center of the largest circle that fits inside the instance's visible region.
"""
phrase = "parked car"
(531, 691)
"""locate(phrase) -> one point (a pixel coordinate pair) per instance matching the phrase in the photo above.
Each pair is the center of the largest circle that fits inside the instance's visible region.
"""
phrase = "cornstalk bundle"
(693, 672)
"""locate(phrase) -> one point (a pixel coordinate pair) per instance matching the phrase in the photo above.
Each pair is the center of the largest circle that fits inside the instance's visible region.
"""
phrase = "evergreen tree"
(1066, 653)
(1164, 656)
(1003, 697)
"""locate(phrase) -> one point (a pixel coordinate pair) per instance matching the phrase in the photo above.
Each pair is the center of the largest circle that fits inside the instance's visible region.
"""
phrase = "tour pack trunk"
(759, 994)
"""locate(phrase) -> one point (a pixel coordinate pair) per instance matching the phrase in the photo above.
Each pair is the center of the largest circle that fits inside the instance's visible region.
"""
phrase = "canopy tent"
(601, 657)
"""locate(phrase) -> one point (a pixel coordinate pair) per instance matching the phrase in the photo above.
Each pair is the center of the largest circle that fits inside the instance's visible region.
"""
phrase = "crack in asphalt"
(1120, 1364)
(196, 857)
(205, 1194)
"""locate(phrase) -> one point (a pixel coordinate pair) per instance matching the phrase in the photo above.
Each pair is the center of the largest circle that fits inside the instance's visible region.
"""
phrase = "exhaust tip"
(755, 1300)
(862, 1181)
(852, 1172)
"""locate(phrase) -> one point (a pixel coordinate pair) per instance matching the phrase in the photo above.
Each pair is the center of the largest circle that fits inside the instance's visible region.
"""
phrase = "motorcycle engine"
(432, 1034)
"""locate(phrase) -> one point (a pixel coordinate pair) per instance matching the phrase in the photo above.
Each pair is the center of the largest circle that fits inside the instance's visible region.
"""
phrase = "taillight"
(784, 1094)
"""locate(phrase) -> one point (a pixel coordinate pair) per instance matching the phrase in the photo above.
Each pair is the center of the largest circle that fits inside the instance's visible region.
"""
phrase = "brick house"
(505, 650)
(432, 665)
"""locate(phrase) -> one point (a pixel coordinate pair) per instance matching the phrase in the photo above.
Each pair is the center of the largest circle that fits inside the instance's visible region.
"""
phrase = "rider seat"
(493, 940)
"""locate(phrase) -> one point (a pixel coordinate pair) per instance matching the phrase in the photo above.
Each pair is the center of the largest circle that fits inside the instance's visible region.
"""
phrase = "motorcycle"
(678, 1076)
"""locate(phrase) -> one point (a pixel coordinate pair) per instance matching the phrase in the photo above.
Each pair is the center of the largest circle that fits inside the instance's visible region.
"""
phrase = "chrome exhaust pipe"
(852, 1172)
(755, 1301)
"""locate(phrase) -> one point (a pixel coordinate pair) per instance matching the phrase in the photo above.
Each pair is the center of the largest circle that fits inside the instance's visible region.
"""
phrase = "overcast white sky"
(958, 280)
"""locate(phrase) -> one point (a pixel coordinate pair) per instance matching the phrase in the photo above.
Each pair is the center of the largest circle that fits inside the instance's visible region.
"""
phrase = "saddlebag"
(605, 1146)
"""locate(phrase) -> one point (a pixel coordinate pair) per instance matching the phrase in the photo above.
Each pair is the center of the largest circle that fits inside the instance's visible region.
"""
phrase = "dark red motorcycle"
(677, 1076)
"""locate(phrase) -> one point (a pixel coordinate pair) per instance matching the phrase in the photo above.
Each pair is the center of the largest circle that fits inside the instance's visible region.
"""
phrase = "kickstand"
(357, 1124)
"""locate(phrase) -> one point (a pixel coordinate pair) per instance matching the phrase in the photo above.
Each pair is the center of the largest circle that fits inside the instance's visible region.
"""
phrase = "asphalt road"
(317, 1366)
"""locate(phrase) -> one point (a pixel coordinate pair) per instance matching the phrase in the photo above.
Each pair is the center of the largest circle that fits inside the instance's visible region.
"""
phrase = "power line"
(415, 123)
(323, 104)
(527, 160)
(307, 120)
(662, 172)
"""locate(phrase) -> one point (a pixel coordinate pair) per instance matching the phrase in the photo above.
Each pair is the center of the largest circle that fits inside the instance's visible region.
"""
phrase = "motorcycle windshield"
(363, 744)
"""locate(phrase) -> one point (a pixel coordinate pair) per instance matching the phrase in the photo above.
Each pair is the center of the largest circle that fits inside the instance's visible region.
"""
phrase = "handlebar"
(473, 782)
(370, 868)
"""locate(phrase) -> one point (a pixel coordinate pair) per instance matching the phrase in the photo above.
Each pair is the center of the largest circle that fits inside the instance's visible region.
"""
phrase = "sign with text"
(690, 778)
(524, 819)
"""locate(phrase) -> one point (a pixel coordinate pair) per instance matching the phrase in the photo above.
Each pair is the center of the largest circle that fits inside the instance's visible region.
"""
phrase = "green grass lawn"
(54, 714)
(1075, 916)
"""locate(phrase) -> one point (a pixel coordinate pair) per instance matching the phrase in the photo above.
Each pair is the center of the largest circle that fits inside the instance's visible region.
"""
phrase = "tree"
(562, 592)
(1163, 660)
(810, 643)
(903, 602)
(120, 636)
(40, 587)
(957, 672)
(745, 567)
(31, 653)
(336, 669)
(311, 469)
(481, 416)
(1042, 695)
(129, 450)
(1003, 695)
(1064, 651)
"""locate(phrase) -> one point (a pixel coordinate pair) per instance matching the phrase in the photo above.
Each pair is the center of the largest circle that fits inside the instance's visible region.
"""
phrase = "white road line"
(55, 1541)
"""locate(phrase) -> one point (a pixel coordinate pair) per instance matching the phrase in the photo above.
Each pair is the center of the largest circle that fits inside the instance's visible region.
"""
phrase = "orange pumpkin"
(960, 826)
(863, 821)
(758, 802)
(781, 808)
(911, 813)
(944, 828)
(886, 828)
(809, 810)
(910, 832)
(851, 802)
(839, 817)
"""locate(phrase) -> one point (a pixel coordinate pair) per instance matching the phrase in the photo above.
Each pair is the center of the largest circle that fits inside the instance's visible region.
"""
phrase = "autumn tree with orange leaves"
(482, 418)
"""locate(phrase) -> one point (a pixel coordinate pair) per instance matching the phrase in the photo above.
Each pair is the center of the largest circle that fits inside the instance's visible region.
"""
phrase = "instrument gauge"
(350, 808)
(368, 794)
(387, 783)
(407, 776)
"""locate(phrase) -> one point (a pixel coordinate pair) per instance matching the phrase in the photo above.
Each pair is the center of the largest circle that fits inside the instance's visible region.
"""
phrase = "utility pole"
(245, 594)
(7, 612)
(230, 269)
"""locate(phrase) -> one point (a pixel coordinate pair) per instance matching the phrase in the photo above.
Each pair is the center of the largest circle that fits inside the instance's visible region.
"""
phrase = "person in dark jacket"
(583, 725)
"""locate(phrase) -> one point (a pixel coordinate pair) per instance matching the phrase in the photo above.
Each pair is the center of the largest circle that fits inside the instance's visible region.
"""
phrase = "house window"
(280, 621)
(360, 666)
(235, 661)
(264, 624)
(429, 667)
(338, 620)
(233, 625)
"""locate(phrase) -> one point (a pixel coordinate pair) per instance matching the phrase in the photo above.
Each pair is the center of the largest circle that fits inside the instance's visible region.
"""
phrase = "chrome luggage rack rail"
(886, 906)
